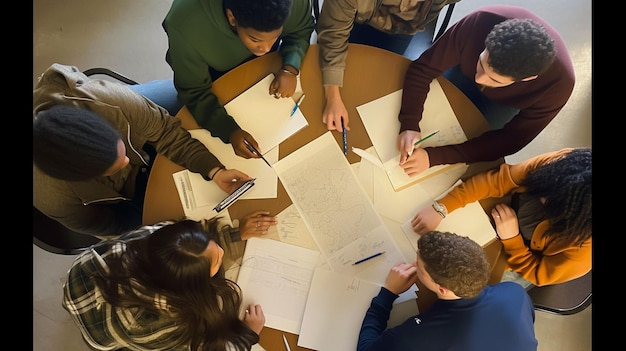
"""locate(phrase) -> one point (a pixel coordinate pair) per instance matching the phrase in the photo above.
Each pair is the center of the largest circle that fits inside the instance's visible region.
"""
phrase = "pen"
(286, 343)
(297, 105)
(424, 139)
(368, 258)
(345, 138)
(255, 151)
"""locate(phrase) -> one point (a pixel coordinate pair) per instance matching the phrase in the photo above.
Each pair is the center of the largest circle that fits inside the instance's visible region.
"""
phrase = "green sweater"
(200, 37)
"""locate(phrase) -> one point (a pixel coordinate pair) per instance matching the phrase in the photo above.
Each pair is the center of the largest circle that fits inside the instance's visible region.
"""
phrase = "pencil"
(423, 139)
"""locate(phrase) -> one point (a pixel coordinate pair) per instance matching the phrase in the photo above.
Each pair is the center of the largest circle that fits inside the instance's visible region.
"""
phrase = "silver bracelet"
(288, 71)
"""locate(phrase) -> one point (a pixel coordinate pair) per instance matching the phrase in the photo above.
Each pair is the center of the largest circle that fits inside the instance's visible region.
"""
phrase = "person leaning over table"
(468, 314)
(163, 287)
(386, 24)
(546, 229)
(90, 167)
(510, 63)
(207, 38)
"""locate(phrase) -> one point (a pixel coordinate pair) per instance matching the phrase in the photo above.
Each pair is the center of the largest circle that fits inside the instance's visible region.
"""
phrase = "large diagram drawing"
(336, 210)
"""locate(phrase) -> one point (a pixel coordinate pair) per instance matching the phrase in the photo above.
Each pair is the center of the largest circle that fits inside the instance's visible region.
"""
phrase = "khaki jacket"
(337, 18)
(80, 205)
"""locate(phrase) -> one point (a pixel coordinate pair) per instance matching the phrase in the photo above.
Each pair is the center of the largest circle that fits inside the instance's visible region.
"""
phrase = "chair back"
(564, 298)
(54, 237)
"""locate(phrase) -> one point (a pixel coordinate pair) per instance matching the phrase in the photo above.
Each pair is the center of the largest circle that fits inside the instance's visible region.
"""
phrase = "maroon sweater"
(539, 100)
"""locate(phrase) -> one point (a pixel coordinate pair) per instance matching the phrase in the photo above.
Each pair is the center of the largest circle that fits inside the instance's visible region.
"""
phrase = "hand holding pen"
(255, 151)
(240, 148)
(407, 143)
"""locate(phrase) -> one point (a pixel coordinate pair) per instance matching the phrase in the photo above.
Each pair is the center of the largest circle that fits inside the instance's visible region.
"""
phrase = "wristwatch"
(441, 209)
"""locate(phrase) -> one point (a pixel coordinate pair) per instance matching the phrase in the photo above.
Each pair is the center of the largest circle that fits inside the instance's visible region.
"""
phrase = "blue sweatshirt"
(501, 317)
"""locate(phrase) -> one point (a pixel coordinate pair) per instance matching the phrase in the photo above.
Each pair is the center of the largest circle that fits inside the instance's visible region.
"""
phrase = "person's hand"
(425, 220)
(335, 110)
(416, 163)
(507, 225)
(224, 179)
(254, 318)
(256, 224)
(239, 146)
(400, 277)
(283, 85)
(405, 143)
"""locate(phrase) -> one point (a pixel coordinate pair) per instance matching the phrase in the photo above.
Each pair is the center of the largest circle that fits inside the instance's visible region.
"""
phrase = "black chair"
(54, 237)
(564, 298)
(110, 73)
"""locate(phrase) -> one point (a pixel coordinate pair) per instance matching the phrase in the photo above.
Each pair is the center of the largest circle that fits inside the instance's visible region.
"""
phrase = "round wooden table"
(370, 74)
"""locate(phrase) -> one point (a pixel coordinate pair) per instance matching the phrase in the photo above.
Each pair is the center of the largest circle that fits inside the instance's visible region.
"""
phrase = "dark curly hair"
(261, 15)
(170, 262)
(565, 183)
(519, 48)
(455, 262)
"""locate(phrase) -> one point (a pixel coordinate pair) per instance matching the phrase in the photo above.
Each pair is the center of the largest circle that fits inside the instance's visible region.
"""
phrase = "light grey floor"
(127, 36)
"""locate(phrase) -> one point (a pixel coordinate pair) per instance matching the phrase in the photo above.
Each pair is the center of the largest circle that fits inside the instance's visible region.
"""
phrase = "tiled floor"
(127, 36)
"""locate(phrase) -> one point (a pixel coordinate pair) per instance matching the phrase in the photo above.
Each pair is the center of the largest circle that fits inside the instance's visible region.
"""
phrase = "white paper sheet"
(398, 205)
(471, 221)
(380, 118)
(265, 117)
(266, 185)
(336, 210)
(277, 276)
(335, 309)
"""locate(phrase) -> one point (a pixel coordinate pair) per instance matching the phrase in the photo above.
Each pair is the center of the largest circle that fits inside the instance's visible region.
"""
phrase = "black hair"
(565, 183)
(519, 48)
(73, 144)
(261, 15)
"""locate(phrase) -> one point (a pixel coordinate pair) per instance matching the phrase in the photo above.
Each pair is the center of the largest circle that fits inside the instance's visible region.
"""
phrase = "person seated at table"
(545, 228)
(208, 38)
(90, 164)
(510, 63)
(163, 287)
(386, 24)
(468, 314)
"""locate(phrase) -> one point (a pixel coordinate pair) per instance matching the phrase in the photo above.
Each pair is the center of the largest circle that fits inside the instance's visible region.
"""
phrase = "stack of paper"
(270, 122)
(380, 118)
(277, 276)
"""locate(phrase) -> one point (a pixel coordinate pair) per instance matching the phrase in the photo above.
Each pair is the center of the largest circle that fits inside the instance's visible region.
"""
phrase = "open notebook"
(380, 118)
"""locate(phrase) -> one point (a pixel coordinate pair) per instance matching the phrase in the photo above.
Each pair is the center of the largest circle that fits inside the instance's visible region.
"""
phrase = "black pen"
(255, 151)
(368, 258)
(345, 138)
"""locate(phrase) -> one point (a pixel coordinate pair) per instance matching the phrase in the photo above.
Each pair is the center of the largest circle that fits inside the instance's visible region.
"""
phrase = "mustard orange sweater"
(545, 261)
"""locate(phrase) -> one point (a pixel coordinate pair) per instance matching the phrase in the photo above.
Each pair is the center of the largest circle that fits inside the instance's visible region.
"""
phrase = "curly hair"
(170, 263)
(261, 15)
(565, 184)
(455, 262)
(519, 48)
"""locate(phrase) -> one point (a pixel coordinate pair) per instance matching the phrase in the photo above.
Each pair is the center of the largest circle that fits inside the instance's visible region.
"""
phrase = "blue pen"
(345, 138)
(368, 258)
(297, 105)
